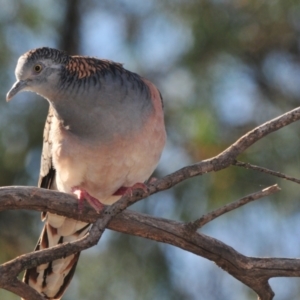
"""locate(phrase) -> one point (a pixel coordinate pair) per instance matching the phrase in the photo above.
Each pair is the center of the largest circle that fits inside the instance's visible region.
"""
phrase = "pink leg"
(128, 190)
(84, 195)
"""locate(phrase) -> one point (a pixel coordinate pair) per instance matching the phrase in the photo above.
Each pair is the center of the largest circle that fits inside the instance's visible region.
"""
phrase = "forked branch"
(254, 272)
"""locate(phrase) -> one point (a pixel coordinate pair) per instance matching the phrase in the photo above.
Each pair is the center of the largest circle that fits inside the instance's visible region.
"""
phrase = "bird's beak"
(16, 88)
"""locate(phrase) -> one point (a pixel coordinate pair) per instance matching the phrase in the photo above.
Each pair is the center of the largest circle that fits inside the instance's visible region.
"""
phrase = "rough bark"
(252, 271)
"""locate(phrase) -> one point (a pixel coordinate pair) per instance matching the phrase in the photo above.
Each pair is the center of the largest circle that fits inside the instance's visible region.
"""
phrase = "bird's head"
(38, 71)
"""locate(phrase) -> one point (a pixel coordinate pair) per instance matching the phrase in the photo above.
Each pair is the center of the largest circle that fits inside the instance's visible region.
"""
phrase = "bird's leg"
(128, 190)
(84, 195)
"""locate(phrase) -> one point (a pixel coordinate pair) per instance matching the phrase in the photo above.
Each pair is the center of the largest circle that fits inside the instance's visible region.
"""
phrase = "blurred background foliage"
(223, 67)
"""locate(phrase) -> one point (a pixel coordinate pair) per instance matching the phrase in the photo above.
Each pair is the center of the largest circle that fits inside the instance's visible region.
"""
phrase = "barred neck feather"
(82, 70)
(107, 91)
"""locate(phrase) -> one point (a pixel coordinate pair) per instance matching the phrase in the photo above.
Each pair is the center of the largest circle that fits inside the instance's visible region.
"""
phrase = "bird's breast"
(101, 168)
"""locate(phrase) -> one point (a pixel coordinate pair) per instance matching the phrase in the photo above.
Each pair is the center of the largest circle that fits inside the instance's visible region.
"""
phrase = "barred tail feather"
(52, 279)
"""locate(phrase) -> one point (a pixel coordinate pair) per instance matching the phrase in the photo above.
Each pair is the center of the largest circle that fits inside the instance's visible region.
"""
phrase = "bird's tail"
(52, 279)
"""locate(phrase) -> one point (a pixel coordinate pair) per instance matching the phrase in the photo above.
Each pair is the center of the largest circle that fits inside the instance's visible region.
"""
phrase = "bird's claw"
(83, 195)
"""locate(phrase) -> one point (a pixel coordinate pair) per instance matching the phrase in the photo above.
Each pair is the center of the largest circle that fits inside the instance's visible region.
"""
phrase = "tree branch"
(254, 272)
(231, 206)
(228, 156)
(265, 170)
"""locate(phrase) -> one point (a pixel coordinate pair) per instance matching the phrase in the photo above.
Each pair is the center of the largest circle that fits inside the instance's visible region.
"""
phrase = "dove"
(103, 138)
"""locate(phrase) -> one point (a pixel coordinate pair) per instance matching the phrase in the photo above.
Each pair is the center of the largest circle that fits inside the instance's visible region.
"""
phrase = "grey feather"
(104, 133)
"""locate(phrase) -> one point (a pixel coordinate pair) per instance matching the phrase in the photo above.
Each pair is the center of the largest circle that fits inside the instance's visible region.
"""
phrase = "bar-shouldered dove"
(104, 135)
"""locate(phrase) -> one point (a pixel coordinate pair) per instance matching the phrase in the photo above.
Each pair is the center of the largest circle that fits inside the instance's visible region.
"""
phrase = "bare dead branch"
(265, 170)
(228, 156)
(254, 272)
(23, 290)
(231, 206)
(12, 268)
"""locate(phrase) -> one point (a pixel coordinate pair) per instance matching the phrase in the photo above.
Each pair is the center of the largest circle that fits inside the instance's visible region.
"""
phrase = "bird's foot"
(82, 195)
(128, 190)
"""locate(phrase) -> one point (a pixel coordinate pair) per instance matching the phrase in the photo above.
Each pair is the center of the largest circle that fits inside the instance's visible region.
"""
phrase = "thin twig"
(231, 206)
(265, 170)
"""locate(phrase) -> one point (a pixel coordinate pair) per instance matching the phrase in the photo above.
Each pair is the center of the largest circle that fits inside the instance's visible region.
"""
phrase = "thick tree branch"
(11, 269)
(254, 272)
(22, 289)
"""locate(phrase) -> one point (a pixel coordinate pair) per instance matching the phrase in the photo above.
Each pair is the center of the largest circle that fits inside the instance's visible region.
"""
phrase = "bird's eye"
(37, 68)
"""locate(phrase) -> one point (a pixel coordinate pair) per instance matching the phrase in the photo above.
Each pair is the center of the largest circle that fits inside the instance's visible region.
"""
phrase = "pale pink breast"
(101, 169)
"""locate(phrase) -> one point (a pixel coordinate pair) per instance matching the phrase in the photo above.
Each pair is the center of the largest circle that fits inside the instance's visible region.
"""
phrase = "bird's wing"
(47, 172)
(52, 279)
